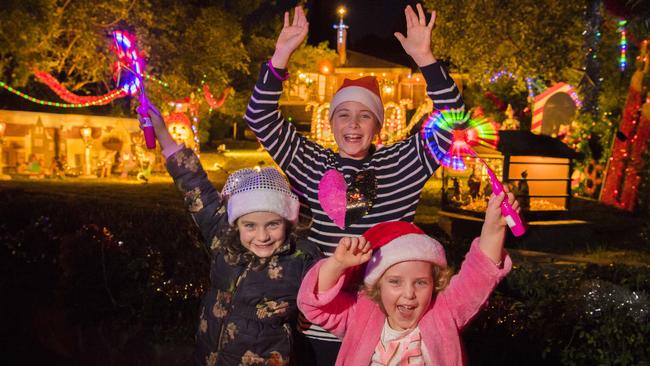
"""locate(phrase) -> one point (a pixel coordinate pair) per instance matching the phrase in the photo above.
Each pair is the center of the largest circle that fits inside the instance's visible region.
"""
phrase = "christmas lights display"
(622, 62)
(212, 102)
(622, 178)
(59, 104)
(501, 74)
(394, 122)
(70, 97)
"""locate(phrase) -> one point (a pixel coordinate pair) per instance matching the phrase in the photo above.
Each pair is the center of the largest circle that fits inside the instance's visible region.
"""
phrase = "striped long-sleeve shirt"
(401, 169)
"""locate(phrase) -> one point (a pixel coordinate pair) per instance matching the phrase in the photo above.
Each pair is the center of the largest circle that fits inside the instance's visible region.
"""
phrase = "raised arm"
(279, 137)
(290, 38)
(321, 297)
(417, 42)
(201, 198)
(484, 266)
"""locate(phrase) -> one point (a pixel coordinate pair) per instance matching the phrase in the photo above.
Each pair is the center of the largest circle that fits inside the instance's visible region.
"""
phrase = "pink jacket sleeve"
(470, 289)
(332, 309)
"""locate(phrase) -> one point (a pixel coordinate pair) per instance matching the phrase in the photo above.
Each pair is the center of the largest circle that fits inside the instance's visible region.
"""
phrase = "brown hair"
(441, 277)
(236, 254)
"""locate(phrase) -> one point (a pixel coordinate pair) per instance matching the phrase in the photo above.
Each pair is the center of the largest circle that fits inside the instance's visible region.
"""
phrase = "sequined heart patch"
(345, 204)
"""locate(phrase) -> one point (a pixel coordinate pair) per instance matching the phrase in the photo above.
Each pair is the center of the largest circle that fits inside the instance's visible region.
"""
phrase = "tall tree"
(530, 38)
(69, 39)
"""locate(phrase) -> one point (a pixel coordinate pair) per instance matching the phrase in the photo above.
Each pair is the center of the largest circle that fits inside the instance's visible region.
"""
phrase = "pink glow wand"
(464, 132)
(146, 125)
(512, 217)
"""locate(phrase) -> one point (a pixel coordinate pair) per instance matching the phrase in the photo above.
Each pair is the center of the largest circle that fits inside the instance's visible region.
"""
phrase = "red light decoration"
(70, 97)
(622, 178)
(215, 103)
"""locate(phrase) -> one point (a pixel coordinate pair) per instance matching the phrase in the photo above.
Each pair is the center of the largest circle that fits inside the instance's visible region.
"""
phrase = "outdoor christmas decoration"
(563, 100)
(622, 176)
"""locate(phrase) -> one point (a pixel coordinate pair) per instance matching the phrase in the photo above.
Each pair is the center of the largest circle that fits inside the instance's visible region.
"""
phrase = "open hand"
(290, 38)
(417, 42)
(352, 252)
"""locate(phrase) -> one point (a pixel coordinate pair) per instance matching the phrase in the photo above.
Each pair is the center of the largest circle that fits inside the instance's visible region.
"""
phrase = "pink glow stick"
(145, 121)
(512, 217)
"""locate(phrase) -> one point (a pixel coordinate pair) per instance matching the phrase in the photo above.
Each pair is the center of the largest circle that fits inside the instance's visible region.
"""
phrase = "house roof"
(528, 143)
(361, 60)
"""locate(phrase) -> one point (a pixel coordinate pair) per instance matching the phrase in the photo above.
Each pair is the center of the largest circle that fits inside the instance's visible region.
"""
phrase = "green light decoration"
(116, 94)
(149, 77)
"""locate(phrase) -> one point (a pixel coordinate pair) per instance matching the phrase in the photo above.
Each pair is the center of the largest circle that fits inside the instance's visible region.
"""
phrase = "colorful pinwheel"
(456, 129)
(130, 65)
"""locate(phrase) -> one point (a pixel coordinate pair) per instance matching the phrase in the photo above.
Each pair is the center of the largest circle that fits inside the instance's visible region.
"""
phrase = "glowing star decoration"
(460, 132)
(130, 65)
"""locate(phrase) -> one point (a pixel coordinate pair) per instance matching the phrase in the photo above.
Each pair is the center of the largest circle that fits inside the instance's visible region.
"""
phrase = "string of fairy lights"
(105, 100)
(114, 94)
(622, 63)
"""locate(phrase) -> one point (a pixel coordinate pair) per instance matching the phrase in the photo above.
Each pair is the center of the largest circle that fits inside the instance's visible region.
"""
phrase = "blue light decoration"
(130, 65)
(500, 74)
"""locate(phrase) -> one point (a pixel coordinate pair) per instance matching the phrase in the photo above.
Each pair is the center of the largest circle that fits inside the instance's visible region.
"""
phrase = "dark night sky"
(372, 24)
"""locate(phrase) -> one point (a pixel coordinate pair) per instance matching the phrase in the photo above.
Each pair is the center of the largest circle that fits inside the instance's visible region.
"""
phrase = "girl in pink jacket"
(410, 310)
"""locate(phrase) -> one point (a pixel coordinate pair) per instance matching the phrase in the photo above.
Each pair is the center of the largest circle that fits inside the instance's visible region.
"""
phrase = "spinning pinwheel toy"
(461, 132)
(130, 67)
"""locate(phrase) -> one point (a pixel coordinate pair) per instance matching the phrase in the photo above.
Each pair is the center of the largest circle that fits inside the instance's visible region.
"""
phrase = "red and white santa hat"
(398, 241)
(364, 90)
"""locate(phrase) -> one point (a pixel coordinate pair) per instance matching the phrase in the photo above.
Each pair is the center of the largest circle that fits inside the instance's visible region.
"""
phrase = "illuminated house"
(41, 136)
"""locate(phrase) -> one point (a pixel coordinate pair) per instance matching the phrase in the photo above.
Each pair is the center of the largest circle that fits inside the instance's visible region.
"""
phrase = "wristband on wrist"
(275, 73)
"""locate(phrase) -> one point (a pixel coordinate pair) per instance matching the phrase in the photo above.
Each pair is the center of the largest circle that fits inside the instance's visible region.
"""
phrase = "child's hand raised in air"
(417, 42)
(493, 232)
(290, 38)
(162, 134)
(494, 220)
(352, 252)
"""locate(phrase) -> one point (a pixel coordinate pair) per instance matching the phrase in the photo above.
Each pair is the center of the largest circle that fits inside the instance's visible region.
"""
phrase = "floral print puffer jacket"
(249, 313)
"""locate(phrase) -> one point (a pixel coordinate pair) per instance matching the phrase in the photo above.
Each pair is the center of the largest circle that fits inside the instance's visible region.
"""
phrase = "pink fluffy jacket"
(359, 321)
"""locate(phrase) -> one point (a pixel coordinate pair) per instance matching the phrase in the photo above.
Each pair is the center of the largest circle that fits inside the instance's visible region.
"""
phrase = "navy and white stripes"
(401, 169)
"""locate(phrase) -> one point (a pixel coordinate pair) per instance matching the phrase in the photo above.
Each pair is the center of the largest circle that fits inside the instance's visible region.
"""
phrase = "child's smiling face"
(262, 232)
(354, 127)
(406, 290)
